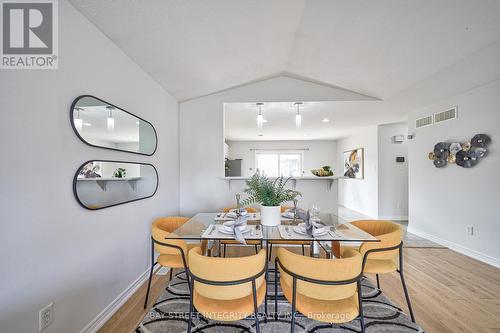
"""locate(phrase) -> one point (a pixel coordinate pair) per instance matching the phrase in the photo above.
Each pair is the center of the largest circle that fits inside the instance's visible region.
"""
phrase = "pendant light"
(110, 120)
(298, 116)
(78, 121)
(260, 117)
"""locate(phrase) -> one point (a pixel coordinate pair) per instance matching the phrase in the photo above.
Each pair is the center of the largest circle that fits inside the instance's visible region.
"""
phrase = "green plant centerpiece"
(270, 194)
(120, 173)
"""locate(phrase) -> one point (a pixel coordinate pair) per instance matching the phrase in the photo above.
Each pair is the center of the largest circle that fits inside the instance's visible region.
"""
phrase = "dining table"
(207, 227)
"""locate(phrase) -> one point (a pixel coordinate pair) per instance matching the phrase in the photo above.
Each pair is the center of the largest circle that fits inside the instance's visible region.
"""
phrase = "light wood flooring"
(450, 293)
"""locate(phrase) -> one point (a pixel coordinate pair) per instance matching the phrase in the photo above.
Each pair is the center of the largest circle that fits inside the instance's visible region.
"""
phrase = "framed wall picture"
(354, 163)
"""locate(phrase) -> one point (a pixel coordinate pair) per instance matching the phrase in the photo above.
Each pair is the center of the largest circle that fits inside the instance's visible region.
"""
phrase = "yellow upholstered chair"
(321, 289)
(385, 256)
(255, 243)
(226, 289)
(173, 252)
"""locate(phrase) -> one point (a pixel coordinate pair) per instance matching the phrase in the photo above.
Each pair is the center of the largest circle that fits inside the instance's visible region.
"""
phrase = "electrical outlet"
(45, 317)
(470, 230)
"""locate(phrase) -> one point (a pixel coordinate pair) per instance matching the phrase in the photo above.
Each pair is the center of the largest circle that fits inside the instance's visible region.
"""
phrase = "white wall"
(51, 249)
(202, 137)
(444, 201)
(360, 195)
(317, 153)
(392, 176)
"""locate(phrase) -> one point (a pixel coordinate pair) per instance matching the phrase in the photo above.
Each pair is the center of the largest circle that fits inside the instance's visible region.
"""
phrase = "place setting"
(311, 227)
(237, 229)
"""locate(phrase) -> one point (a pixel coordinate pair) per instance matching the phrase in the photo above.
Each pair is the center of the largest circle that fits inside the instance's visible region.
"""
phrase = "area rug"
(169, 315)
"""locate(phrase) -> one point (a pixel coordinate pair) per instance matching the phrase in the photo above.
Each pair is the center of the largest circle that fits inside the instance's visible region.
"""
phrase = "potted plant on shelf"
(270, 194)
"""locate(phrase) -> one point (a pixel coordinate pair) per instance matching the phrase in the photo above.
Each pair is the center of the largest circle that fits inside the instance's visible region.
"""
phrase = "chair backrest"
(164, 226)
(284, 208)
(346, 268)
(248, 209)
(389, 233)
(226, 269)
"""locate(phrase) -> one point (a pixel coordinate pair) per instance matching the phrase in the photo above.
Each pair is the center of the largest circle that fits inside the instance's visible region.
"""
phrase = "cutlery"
(253, 231)
(213, 227)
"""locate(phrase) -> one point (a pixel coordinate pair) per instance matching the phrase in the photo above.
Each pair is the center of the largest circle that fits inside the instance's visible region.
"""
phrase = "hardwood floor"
(449, 292)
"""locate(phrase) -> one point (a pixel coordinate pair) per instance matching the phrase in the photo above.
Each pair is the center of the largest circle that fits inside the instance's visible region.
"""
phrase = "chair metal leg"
(403, 282)
(406, 295)
(270, 252)
(153, 263)
(190, 321)
(378, 282)
(171, 270)
(224, 255)
(256, 314)
(267, 285)
(360, 305)
(276, 289)
(303, 250)
(256, 249)
(292, 323)
(149, 286)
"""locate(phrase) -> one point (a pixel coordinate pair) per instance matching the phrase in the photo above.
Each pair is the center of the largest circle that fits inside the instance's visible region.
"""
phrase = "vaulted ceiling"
(376, 48)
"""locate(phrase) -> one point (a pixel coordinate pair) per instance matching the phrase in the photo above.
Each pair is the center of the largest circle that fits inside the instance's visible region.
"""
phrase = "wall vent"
(426, 121)
(445, 115)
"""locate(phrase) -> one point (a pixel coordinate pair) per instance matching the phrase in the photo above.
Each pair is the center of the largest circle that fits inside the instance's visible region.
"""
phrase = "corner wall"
(51, 249)
(360, 195)
(392, 175)
(444, 201)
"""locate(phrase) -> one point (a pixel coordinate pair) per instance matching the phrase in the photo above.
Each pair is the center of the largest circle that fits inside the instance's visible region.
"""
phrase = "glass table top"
(342, 230)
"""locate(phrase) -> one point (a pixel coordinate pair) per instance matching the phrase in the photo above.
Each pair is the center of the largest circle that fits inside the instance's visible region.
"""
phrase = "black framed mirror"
(104, 125)
(99, 184)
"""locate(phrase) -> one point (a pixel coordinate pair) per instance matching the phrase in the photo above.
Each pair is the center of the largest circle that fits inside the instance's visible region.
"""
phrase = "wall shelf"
(103, 182)
(329, 180)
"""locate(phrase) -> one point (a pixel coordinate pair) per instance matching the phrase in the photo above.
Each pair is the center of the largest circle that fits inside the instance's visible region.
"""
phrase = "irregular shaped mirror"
(101, 124)
(101, 184)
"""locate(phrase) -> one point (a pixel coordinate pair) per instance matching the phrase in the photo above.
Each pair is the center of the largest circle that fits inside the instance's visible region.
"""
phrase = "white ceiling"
(378, 48)
(241, 125)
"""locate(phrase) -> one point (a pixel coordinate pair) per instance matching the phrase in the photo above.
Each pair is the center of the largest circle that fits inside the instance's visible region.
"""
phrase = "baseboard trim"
(115, 305)
(457, 247)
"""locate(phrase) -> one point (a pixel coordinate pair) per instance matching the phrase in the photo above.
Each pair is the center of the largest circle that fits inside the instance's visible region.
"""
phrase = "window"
(279, 163)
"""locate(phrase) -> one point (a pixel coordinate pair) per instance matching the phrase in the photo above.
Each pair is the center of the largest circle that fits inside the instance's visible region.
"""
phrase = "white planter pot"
(270, 216)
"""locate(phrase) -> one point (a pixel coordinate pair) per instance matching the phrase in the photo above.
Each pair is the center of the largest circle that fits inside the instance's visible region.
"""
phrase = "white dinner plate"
(300, 229)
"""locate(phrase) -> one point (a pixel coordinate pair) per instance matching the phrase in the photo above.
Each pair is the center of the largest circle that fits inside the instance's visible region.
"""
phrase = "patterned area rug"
(169, 315)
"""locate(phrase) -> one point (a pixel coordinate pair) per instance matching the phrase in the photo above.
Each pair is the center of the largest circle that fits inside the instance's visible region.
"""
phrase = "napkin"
(310, 225)
(239, 222)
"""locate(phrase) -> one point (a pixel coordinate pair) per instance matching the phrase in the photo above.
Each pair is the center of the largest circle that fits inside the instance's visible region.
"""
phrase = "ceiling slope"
(375, 48)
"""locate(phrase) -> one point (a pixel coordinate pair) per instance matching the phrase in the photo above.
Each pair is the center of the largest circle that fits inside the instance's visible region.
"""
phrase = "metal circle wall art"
(465, 154)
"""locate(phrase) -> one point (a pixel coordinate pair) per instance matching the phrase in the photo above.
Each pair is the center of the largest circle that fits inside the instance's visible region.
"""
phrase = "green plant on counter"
(120, 173)
(268, 192)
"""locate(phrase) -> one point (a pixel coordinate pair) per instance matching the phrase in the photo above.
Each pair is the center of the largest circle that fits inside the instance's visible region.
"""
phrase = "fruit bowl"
(323, 172)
